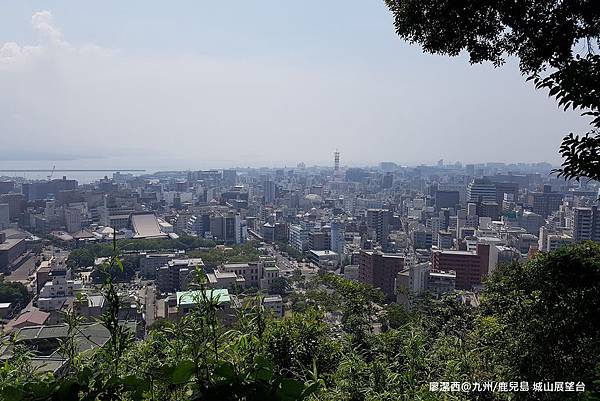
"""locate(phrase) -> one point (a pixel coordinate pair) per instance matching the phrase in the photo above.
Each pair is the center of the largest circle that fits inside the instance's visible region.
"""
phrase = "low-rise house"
(33, 317)
(324, 259)
(183, 302)
(55, 293)
(44, 341)
(274, 303)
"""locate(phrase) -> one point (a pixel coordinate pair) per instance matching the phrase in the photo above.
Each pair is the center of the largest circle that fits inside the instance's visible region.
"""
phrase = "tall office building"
(446, 199)
(319, 241)
(269, 191)
(470, 266)
(481, 189)
(470, 170)
(379, 270)
(16, 204)
(229, 177)
(379, 220)
(506, 188)
(298, 236)
(586, 224)
(4, 216)
(47, 189)
(337, 238)
(445, 240)
(7, 186)
(387, 181)
(434, 225)
(489, 209)
(73, 219)
(546, 202)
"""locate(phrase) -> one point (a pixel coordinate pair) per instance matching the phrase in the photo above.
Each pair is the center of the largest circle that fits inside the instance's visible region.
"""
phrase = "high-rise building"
(586, 224)
(506, 188)
(470, 169)
(422, 239)
(269, 191)
(434, 225)
(387, 181)
(4, 216)
(177, 274)
(16, 204)
(226, 227)
(7, 186)
(10, 250)
(319, 240)
(472, 209)
(445, 240)
(546, 202)
(298, 237)
(470, 266)
(47, 189)
(337, 238)
(530, 221)
(379, 270)
(481, 189)
(411, 281)
(488, 209)
(73, 219)
(379, 220)
(446, 199)
(356, 174)
(229, 177)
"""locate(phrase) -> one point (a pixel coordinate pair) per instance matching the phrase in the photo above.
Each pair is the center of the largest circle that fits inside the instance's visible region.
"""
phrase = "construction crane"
(51, 173)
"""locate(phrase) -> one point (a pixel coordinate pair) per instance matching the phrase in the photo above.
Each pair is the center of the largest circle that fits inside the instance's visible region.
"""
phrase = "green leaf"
(290, 389)
(183, 371)
(119, 263)
(12, 393)
(310, 390)
(41, 389)
(136, 383)
(225, 370)
(69, 390)
(263, 374)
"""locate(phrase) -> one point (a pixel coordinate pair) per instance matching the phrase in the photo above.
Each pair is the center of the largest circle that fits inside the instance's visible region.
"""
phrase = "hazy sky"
(197, 84)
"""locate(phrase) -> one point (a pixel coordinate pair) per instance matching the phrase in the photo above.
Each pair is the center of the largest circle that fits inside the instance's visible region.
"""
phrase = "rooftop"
(95, 300)
(324, 253)
(29, 318)
(272, 298)
(223, 275)
(192, 297)
(146, 226)
(10, 243)
(454, 252)
(236, 265)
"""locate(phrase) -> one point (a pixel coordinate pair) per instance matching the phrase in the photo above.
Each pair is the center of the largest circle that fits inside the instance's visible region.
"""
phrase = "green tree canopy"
(279, 285)
(541, 320)
(14, 292)
(556, 42)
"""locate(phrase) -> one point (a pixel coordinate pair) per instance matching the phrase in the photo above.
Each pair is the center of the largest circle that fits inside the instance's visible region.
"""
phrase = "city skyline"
(90, 174)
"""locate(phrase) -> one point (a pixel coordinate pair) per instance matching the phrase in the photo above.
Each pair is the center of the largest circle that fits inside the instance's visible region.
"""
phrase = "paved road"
(284, 264)
(150, 305)
(23, 272)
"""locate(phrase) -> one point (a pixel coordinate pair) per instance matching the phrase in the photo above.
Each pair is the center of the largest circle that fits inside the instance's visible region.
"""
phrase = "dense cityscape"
(242, 201)
(408, 231)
